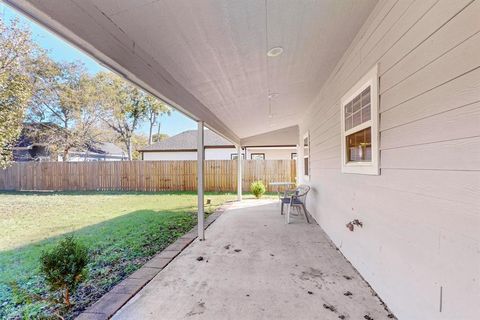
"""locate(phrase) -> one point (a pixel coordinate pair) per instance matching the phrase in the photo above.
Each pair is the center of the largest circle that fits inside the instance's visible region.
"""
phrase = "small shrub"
(257, 188)
(63, 266)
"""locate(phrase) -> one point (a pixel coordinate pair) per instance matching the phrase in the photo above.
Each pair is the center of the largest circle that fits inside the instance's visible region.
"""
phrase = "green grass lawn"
(122, 231)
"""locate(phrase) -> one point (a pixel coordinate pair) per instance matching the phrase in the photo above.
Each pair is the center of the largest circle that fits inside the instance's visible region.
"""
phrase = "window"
(293, 156)
(234, 156)
(257, 156)
(306, 156)
(359, 110)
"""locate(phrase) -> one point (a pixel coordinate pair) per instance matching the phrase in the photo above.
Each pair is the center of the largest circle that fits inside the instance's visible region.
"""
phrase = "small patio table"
(281, 184)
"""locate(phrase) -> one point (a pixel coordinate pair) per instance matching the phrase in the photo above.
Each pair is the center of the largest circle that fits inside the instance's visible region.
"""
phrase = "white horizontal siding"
(273, 154)
(218, 154)
(210, 154)
(422, 214)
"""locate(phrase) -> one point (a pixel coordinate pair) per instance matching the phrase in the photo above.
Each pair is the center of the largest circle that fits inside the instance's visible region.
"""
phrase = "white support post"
(200, 181)
(239, 173)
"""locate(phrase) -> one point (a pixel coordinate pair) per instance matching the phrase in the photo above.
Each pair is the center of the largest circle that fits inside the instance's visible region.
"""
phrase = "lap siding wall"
(421, 215)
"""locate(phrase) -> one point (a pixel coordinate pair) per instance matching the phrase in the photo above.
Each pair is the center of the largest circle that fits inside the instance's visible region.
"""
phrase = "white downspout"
(239, 173)
(200, 181)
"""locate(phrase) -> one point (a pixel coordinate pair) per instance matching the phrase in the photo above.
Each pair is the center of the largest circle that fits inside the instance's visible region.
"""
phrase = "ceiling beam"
(281, 137)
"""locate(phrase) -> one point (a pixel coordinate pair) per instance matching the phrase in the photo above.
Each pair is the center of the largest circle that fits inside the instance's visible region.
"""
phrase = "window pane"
(305, 165)
(359, 146)
(356, 103)
(234, 156)
(358, 110)
(357, 119)
(258, 156)
(348, 110)
(366, 113)
(348, 123)
(366, 96)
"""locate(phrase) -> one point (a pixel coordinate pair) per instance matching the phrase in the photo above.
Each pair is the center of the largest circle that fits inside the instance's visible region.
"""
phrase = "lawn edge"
(120, 294)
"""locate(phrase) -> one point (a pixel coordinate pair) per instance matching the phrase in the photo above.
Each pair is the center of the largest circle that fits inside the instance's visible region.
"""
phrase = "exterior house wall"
(217, 154)
(419, 247)
(81, 157)
(179, 155)
(272, 154)
(210, 154)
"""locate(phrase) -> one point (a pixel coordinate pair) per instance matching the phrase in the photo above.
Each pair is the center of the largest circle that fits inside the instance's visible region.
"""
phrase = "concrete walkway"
(256, 267)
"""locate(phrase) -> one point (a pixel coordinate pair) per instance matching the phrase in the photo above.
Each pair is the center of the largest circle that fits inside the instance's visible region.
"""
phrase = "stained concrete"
(256, 267)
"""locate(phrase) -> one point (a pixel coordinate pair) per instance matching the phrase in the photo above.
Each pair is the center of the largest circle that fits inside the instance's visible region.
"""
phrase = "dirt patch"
(199, 308)
(329, 307)
(312, 273)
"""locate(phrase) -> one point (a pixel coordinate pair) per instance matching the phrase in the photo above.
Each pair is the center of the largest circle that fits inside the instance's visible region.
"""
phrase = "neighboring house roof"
(106, 148)
(32, 135)
(187, 140)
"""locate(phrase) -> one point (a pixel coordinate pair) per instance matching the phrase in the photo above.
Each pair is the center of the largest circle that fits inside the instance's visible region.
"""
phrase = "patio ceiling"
(208, 58)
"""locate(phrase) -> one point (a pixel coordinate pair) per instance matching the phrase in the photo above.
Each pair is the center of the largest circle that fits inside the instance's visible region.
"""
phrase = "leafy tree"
(66, 106)
(19, 68)
(124, 107)
(14, 95)
(64, 266)
(138, 141)
(155, 109)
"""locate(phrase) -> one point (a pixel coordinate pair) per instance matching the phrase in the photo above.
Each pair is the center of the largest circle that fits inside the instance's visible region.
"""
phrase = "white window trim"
(306, 177)
(372, 167)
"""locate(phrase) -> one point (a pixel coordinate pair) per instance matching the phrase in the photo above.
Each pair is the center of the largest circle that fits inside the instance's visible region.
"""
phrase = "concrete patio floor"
(256, 267)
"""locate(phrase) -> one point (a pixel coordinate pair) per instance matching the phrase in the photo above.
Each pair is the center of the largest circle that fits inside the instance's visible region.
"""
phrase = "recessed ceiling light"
(273, 95)
(275, 52)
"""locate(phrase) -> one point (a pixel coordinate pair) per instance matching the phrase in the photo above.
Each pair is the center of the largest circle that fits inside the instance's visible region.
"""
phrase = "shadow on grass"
(110, 193)
(117, 247)
(123, 193)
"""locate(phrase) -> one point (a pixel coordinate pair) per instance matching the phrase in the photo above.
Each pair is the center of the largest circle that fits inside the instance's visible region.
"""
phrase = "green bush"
(257, 188)
(63, 266)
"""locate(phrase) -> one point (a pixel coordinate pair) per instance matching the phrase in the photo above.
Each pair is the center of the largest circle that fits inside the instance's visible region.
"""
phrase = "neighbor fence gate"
(220, 175)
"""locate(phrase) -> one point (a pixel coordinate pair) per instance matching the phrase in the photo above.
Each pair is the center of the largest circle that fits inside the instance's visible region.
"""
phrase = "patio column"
(239, 172)
(200, 183)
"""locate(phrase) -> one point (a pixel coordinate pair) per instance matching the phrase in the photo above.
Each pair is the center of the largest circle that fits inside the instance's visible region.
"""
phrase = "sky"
(60, 50)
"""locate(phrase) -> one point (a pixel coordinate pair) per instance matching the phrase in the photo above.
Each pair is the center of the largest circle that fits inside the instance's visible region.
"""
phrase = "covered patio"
(381, 99)
(256, 267)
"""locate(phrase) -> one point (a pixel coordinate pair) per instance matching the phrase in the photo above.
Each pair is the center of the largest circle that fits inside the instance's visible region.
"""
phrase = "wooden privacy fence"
(220, 175)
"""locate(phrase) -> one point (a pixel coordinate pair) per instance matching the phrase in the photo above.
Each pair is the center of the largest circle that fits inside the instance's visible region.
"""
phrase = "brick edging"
(121, 293)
